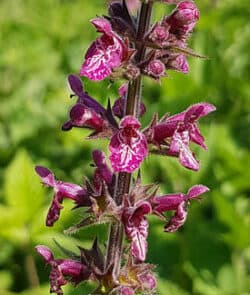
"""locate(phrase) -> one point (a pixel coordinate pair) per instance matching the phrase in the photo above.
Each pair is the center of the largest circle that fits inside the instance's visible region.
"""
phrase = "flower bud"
(178, 63)
(45, 253)
(158, 34)
(183, 19)
(132, 72)
(148, 281)
(126, 291)
(186, 13)
(155, 69)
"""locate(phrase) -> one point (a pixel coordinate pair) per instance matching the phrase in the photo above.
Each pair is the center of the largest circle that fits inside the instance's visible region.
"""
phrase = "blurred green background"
(44, 40)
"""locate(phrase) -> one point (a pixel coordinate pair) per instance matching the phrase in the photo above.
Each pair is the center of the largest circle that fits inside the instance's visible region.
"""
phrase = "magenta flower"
(128, 146)
(136, 228)
(105, 54)
(81, 116)
(89, 113)
(63, 270)
(178, 219)
(76, 86)
(176, 132)
(178, 203)
(61, 190)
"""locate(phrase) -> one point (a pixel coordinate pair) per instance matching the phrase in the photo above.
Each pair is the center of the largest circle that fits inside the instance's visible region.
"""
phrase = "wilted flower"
(105, 54)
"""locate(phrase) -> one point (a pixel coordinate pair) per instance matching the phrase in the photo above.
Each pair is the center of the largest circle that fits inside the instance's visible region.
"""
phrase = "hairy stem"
(132, 108)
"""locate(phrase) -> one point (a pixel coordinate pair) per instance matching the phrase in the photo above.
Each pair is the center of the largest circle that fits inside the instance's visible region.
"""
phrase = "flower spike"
(129, 47)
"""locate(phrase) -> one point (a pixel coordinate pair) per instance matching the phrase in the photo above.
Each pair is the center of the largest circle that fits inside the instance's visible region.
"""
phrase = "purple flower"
(89, 113)
(82, 116)
(128, 146)
(176, 132)
(136, 228)
(120, 104)
(178, 219)
(83, 97)
(63, 270)
(105, 54)
(61, 190)
(178, 203)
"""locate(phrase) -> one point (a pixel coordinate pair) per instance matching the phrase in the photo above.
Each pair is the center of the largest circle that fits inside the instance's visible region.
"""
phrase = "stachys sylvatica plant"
(128, 47)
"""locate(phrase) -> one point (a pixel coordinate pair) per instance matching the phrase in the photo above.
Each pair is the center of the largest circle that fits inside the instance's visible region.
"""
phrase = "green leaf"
(23, 191)
(5, 279)
(168, 288)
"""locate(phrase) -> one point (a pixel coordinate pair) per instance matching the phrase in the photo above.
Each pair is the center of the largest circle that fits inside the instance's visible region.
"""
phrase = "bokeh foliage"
(44, 40)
